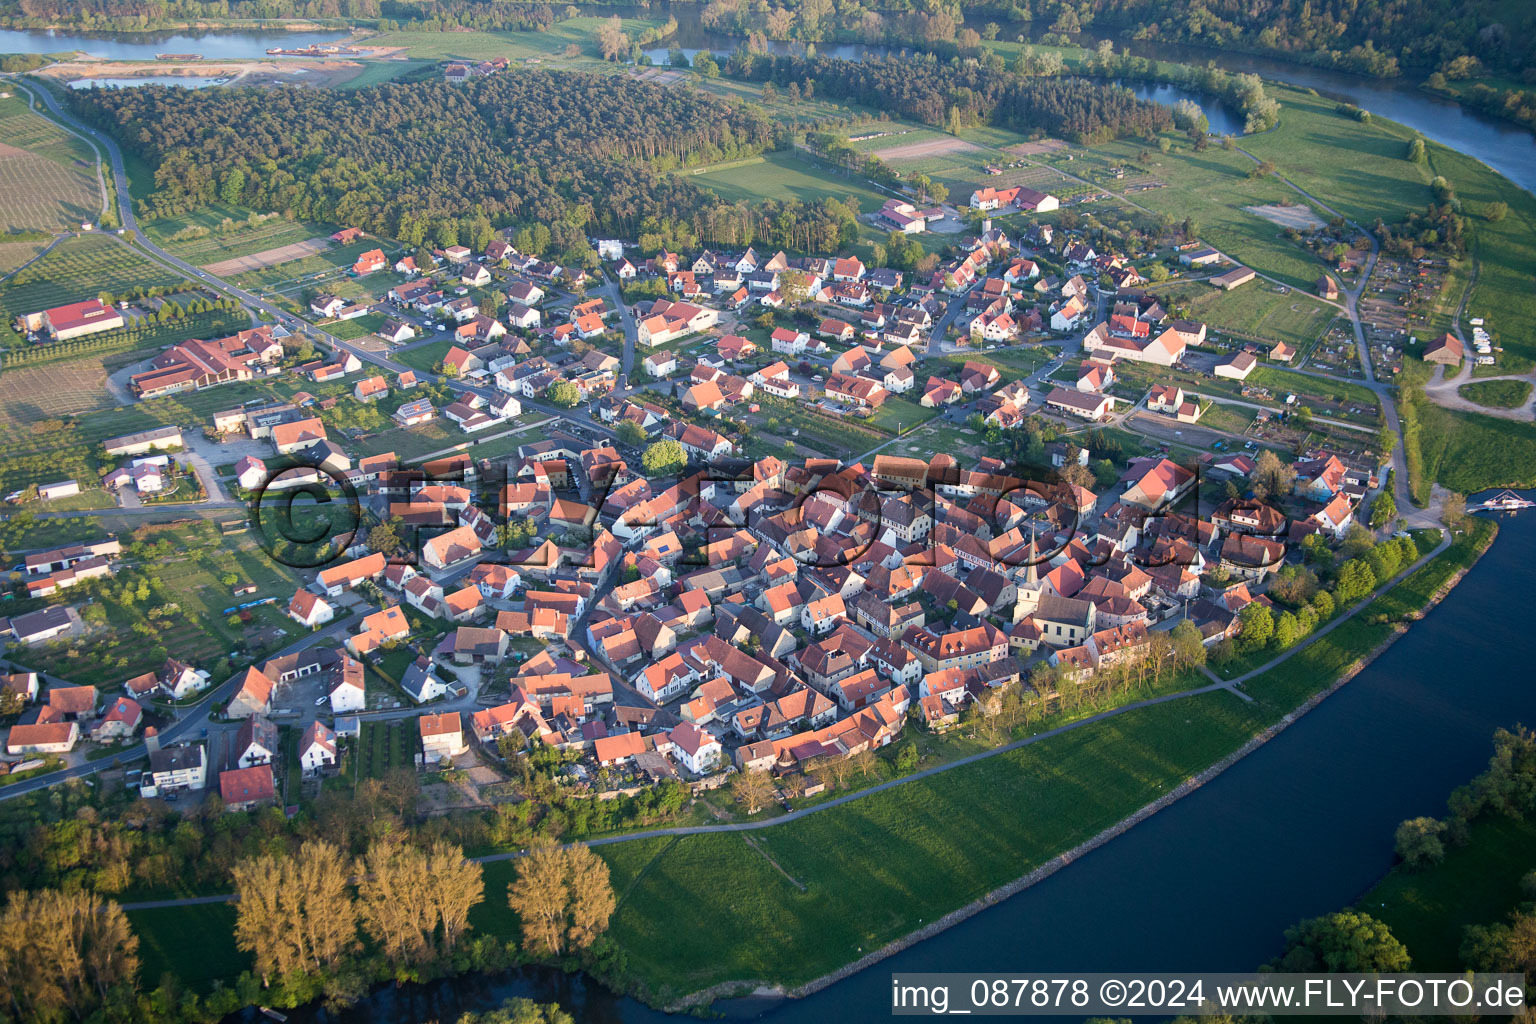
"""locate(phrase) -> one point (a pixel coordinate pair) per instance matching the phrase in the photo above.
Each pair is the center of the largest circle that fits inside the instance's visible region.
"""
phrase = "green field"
(577, 32)
(229, 234)
(1477, 883)
(169, 936)
(1497, 394)
(1258, 311)
(1212, 189)
(77, 269)
(47, 175)
(377, 72)
(785, 176)
(960, 835)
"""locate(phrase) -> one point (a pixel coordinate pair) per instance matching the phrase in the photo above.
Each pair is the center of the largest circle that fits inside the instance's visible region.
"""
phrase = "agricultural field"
(221, 232)
(14, 254)
(77, 269)
(47, 176)
(308, 270)
(43, 392)
(784, 176)
(1257, 311)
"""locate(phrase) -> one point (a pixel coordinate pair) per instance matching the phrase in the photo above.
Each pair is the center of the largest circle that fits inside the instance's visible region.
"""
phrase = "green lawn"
(784, 176)
(424, 358)
(377, 72)
(1478, 883)
(1465, 451)
(712, 908)
(196, 943)
(1497, 394)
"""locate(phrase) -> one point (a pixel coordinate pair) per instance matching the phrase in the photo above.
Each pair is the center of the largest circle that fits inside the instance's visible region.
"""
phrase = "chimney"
(151, 739)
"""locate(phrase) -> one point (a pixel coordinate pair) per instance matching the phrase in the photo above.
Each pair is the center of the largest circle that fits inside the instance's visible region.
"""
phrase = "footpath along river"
(1301, 826)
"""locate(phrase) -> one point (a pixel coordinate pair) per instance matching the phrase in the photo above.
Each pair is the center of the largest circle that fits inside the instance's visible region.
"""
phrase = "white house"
(348, 694)
(696, 749)
(317, 749)
(660, 364)
(310, 610)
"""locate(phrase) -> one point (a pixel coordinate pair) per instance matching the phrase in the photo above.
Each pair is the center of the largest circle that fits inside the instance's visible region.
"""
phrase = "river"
(224, 45)
(1301, 826)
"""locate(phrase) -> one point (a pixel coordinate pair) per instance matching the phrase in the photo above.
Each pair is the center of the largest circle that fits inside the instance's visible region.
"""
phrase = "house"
(347, 689)
(371, 389)
(48, 738)
(1169, 399)
(420, 683)
(788, 342)
(1238, 367)
(414, 412)
(256, 742)
(310, 610)
(442, 737)
(1067, 316)
(450, 548)
(244, 789)
(172, 769)
(317, 749)
(661, 363)
(162, 438)
(1154, 484)
(1447, 350)
(252, 697)
(696, 750)
(1200, 257)
(75, 320)
(43, 624)
(1232, 278)
(1328, 288)
(336, 579)
(120, 721)
(1080, 404)
(379, 628)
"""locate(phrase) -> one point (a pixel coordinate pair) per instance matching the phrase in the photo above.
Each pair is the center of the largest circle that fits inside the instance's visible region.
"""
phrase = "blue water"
(144, 45)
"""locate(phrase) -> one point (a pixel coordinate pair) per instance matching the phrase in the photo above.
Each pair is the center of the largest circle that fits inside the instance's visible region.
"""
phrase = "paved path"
(1445, 542)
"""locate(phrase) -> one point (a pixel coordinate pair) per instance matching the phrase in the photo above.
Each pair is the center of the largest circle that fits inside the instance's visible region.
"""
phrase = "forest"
(954, 95)
(412, 161)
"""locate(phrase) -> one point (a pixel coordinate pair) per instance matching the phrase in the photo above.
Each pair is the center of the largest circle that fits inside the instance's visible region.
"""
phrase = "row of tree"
(959, 93)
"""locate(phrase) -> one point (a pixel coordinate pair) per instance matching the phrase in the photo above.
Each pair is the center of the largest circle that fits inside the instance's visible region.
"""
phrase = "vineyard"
(224, 319)
(47, 176)
(77, 269)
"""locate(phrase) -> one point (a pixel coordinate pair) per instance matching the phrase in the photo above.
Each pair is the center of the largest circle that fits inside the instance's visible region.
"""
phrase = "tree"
(1258, 626)
(663, 458)
(415, 903)
(1355, 581)
(520, 1011)
(1188, 644)
(1383, 509)
(563, 897)
(385, 537)
(1340, 943)
(1274, 476)
(295, 913)
(1416, 151)
(1418, 842)
(563, 393)
(752, 790)
(1496, 211)
(631, 433)
(66, 956)
(611, 38)
(1454, 512)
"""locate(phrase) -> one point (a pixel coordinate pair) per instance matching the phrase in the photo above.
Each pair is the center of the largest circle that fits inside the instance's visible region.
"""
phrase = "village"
(653, 581)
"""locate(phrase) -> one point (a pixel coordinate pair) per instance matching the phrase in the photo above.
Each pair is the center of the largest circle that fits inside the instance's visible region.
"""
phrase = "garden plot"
(268, 257)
